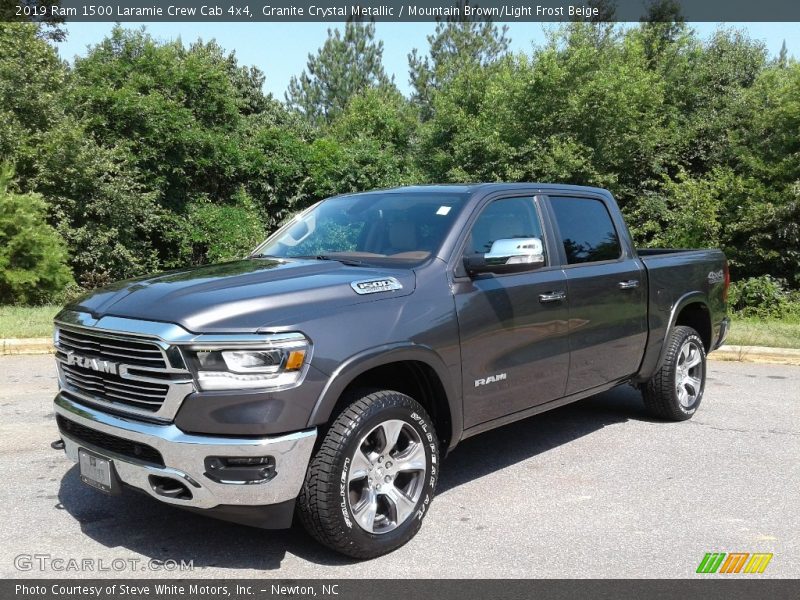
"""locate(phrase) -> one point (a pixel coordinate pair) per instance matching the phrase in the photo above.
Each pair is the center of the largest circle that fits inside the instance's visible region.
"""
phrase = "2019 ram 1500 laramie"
(329, 373)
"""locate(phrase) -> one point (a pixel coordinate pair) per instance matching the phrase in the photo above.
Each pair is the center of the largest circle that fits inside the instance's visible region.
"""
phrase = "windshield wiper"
(350, 262)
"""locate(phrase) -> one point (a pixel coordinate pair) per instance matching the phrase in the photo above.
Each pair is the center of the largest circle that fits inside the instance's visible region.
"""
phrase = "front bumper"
(184, 458)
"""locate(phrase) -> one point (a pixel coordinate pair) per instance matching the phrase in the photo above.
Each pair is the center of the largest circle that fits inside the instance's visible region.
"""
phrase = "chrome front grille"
(129, 352)
(128, 373)
(140, 394)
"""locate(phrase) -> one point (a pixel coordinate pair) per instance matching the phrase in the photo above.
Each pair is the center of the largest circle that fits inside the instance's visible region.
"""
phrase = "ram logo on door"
(490, 379)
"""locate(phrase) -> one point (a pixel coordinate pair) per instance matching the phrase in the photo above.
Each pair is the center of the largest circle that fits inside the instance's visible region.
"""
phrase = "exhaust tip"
(169, 488)
(57, 445)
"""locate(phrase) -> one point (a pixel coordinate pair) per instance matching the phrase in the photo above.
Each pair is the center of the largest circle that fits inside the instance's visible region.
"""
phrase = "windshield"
(392, 227)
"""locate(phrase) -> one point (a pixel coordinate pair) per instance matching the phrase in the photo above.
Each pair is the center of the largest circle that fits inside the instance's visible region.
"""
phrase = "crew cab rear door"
(513, 327)
(606, 288)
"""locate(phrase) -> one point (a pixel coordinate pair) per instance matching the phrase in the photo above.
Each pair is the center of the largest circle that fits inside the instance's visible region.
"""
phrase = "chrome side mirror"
(508, 256)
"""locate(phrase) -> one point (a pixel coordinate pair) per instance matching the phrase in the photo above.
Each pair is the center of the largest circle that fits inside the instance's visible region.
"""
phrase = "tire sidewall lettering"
(693, 408)
(343, 493)
(432, 458)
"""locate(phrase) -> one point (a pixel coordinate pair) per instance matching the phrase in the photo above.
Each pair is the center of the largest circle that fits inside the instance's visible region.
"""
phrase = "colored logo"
(734, 562)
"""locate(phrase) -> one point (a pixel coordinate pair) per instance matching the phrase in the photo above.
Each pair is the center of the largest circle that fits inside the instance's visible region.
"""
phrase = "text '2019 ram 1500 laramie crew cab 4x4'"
(328, 373)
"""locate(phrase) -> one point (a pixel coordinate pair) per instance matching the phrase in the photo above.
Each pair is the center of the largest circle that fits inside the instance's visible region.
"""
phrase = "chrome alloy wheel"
(386, 475)
(689, 373)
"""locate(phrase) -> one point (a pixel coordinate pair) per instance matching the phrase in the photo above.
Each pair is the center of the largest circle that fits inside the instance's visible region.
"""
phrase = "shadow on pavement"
(158, 531)
(143, 525)
(500, 448)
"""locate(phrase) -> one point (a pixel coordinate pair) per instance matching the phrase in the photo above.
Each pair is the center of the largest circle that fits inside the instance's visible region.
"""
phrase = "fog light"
(240, 469)
(247, 460)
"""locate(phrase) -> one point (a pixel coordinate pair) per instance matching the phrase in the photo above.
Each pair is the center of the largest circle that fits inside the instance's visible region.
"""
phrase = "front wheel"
(676, 389)
(372, 479)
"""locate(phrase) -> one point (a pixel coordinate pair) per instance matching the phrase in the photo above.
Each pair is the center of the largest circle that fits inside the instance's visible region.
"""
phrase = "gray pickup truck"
(329, 373)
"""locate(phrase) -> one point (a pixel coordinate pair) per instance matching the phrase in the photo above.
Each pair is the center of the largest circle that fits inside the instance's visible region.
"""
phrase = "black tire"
(662, 393)
(325, 503)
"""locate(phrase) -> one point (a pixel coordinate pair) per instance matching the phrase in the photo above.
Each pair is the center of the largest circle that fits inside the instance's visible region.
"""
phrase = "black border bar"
(711, 588)
(251, 11)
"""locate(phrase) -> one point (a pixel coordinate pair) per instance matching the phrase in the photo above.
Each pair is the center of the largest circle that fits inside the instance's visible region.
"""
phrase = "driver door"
(513, 327)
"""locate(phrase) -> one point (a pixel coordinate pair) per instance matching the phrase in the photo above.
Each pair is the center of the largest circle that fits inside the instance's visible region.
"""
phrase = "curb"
(757, 354)
(751, 354)
(26, 346)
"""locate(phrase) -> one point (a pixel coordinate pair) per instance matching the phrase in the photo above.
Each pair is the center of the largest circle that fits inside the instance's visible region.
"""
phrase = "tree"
(457, 44)
(345, 65)
(32, 257)
(148, 155)
(783, 56)
(382, 115)
(177, 110)
(767, 151)
(223, 232)
(171, 128)
(573, 112)
(32, 80)
(662, 26)
(48, 24)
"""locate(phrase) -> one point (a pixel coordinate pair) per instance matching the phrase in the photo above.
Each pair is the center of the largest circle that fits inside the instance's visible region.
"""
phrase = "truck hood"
(241, 296)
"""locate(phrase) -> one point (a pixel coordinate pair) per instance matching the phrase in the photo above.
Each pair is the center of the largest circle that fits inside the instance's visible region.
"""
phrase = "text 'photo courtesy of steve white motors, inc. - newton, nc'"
(176, 590)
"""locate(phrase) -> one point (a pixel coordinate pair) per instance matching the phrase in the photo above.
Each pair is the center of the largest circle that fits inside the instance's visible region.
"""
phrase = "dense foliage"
(145, 155)
(347, 64)
(32, 257)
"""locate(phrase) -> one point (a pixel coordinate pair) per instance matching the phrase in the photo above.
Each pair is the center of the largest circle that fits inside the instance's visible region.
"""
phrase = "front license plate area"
(98, 472)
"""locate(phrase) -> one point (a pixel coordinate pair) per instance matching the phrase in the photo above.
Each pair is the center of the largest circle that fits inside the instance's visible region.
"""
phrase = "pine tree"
(457, 43)
(783, 56)
(663, 24)
(344, 66)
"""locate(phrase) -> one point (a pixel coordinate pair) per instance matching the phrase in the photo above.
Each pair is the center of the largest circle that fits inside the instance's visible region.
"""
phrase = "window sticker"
(443, 210)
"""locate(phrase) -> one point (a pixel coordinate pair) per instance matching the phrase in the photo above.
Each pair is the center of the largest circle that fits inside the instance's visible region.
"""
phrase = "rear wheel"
(676, 389)
(370, 483)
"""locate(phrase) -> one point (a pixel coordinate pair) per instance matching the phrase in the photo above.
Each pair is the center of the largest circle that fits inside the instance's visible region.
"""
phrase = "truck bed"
(673, 277)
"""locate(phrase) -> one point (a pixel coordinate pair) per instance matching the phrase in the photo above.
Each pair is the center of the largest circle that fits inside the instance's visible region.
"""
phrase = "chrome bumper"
(184, 457)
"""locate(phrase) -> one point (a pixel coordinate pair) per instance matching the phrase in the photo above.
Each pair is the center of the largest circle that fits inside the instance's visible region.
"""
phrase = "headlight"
(254, 366)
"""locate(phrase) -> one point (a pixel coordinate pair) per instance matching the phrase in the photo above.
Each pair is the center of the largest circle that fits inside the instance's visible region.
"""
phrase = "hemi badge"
(373, 286)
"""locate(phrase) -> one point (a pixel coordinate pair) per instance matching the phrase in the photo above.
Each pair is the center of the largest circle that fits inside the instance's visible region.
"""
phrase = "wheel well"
(413, 378)
(696, 316)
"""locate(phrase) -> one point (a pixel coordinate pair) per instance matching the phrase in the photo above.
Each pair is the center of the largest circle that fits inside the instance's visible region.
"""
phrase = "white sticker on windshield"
(443, 210)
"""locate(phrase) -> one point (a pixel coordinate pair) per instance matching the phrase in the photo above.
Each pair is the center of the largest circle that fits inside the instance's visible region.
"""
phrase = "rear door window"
(586, 230)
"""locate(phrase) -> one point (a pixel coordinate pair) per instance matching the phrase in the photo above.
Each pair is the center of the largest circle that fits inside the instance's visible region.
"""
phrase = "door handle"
(552, 296)
(628, 285)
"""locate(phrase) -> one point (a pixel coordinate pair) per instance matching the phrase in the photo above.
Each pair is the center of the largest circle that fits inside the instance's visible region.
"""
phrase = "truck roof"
(469, 188)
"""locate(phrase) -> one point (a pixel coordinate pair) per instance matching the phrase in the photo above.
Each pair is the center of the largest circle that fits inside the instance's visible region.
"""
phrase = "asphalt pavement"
(594, 489)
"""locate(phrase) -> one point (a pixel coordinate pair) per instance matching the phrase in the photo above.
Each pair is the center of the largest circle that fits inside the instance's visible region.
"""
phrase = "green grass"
(27, 321)
(753, 331)
(31, 322)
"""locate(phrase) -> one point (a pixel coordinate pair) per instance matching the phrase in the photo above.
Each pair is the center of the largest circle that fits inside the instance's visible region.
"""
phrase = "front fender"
(378, 356)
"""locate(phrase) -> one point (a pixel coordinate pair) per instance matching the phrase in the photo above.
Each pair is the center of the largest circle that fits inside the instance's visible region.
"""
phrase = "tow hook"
(57, 445)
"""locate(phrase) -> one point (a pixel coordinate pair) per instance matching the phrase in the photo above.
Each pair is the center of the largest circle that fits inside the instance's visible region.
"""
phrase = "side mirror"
(508, 256)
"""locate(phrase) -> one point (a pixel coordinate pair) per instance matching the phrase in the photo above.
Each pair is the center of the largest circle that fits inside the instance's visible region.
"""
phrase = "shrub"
(33, 259)
(222, 232)
(763, 296)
